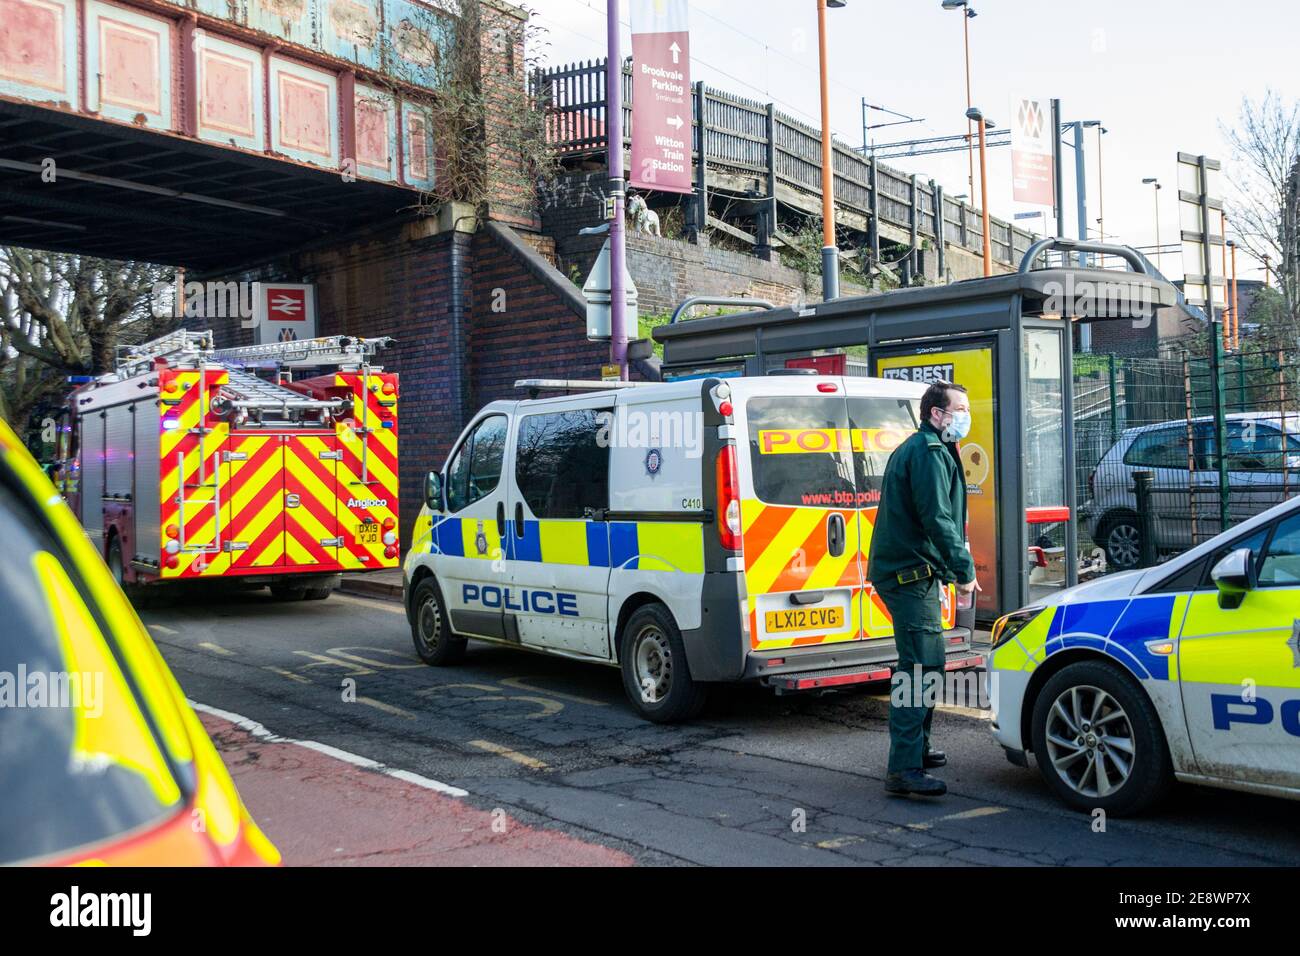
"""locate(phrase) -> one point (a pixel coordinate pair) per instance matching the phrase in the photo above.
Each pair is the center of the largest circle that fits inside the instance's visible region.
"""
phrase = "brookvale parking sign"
(661, 96)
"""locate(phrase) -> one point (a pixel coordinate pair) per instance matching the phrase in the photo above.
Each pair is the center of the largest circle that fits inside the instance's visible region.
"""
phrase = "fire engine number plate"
(368, 533)
(805, 619)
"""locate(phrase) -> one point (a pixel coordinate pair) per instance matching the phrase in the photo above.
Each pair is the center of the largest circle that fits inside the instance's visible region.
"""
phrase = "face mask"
(958, 428)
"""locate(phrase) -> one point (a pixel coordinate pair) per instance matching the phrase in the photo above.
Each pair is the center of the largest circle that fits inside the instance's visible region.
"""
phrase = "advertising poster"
(971, 368)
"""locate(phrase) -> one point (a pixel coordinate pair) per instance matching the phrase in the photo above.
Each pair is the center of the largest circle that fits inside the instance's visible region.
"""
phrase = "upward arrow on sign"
(677, 52)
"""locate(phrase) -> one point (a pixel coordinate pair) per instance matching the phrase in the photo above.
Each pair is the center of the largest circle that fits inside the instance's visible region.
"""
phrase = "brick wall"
(665, 271)
(471, 313)
(522, 327)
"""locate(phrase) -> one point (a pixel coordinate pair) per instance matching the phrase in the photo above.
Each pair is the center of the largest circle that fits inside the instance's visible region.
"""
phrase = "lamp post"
(968, 14)
(976, 116)
(617, 192)
(1101, 192)
(1236, 319)
(830, 254)
(1160, 256)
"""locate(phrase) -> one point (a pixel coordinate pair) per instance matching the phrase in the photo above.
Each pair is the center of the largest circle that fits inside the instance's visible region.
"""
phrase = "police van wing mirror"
(433, 491)
(1234, 575)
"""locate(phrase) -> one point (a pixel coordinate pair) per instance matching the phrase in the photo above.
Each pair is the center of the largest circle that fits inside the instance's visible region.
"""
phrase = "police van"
(688, 532)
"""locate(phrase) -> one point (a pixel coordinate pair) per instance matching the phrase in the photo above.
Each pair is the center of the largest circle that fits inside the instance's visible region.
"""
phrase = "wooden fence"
(752, 149)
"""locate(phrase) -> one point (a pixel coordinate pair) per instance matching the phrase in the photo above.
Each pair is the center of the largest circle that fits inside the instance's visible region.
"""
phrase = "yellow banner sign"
(811, 441)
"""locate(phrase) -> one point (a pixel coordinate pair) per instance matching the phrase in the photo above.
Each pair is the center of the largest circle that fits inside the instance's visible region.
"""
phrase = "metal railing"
(753, 149)
(1158, 415)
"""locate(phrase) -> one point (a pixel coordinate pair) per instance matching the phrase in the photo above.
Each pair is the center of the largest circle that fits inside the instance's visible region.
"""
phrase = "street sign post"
(661, 96)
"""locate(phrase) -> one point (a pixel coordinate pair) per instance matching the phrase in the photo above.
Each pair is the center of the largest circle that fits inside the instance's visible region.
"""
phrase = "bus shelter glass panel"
(1046, 506)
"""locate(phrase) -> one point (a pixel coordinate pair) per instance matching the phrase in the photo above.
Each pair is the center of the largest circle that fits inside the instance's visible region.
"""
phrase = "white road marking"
(216, 649)
(163, 629)
(378, 604)
(527, 761)
(259, 731)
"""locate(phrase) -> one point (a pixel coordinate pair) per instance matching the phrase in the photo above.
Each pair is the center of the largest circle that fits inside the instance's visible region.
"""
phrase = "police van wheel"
(655, 674)
(431, 628)
(1098, 741)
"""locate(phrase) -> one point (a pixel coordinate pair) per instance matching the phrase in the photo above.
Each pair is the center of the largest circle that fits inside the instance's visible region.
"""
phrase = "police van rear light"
(728, 498)
(827, 387)
(390, 537)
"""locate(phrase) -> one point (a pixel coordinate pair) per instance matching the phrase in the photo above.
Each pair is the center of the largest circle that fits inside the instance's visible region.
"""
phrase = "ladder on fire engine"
(133, 359)
(247, 392)
(349, 352)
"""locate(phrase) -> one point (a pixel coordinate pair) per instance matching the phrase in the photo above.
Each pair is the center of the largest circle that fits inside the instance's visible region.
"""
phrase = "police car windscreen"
(824, 451)
(76, 765)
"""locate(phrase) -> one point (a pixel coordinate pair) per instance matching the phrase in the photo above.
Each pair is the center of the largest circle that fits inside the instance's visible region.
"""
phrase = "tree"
(493, 147)
(62, 315)
(1266, 148)
(1274, 327)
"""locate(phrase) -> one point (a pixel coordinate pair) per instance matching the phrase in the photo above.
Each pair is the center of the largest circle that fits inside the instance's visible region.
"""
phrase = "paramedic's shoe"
(934, 758)
(915, 781)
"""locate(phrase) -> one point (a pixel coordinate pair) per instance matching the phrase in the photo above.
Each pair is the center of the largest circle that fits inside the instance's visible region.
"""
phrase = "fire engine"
(190, 462)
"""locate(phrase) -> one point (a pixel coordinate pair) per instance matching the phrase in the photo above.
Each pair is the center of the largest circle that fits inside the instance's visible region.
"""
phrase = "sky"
(1160, 75)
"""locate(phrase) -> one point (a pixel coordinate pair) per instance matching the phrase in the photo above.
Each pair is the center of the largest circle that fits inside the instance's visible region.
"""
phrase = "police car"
(1186, 671)
(687, 532)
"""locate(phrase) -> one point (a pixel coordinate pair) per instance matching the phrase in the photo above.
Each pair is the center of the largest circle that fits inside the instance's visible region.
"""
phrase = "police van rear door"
(882, 415)
(798, 488)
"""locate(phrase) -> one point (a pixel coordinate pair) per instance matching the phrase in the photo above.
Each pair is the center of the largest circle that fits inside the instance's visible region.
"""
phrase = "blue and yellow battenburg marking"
(627, 545)
(1122, 629)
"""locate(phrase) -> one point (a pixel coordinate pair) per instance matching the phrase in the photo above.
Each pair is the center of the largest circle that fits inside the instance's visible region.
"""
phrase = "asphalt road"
(552, 746)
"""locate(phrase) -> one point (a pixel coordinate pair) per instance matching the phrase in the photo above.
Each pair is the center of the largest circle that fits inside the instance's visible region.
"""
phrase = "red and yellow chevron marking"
(181, 413)
(253, 529)
(374, 500)
(313, 522)
(255, 501)
(785, 550)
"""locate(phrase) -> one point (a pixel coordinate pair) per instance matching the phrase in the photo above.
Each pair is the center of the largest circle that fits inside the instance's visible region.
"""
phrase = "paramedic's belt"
(915, 574)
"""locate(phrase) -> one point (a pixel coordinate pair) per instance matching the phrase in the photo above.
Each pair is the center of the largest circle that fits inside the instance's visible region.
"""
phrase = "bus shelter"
(1008, 340)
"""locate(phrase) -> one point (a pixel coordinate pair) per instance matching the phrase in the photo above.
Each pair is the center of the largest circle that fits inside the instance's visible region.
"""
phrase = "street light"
(964, 5)
(1101, 192)
(1160, 256)
(1236, 319)
(830, 254)
(977, 117)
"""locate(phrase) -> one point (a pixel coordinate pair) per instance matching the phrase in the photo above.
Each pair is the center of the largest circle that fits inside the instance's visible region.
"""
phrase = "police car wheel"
(1122, 539)
(1098, 741)
(655, 674)
(431, 628)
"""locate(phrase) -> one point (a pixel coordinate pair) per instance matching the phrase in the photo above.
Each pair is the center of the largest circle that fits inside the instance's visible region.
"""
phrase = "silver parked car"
(1263, 460)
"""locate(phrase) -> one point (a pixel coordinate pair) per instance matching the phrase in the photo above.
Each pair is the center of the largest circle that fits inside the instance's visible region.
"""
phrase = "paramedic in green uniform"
(917, 546)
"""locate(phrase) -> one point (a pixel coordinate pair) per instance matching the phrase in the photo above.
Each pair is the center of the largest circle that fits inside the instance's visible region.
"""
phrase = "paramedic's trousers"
(918, 633)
